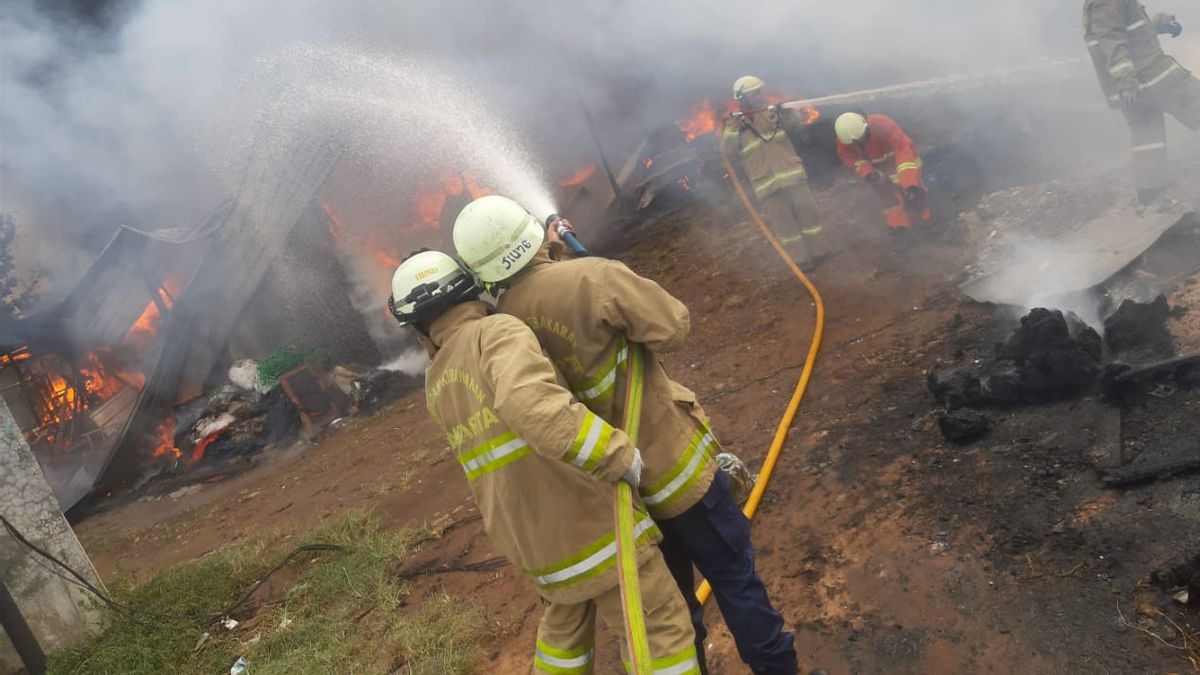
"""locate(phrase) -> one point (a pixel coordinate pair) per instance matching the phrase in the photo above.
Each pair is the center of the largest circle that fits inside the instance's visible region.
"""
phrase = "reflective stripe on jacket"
(585, 313)
(539, 464)
(886, 149)
(1123, 43)
(762, 144)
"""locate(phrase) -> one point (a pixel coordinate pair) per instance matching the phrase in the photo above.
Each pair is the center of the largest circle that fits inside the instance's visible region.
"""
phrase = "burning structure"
(160, 317)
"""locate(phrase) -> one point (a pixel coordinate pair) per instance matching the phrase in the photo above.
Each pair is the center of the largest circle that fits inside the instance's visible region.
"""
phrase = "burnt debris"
(1137, 332)
(1050, 357)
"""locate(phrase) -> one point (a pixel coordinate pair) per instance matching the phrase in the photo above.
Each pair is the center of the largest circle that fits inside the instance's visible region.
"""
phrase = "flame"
(385, 244)
(649, 162)
(165, 440)
(579, 177)
(198, 452)
(145, 329)
(702, 120)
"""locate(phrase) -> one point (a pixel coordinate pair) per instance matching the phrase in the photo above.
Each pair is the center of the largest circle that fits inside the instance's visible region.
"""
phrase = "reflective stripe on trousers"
(563, 661)
(590, 562)
(684, 474)
(771, 183)
(683, 663)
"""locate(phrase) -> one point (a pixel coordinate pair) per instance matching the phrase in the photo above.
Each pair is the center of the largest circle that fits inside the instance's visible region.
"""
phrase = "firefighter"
(1142, 81)
(759, 138)
(586, 312)
(879, 151)
(540, 466)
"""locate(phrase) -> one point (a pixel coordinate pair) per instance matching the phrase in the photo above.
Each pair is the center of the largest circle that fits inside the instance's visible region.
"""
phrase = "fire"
(580, 176)
(198, 452)
(145, 329)
(165, 440)
(385, 244)
(701, 121)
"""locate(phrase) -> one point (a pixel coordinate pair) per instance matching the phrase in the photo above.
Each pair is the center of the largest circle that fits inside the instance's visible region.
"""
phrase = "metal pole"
(19, 633)
(591, 125)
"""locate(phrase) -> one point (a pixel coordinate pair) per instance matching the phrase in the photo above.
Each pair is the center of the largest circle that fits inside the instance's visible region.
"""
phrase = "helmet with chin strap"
(426, 284)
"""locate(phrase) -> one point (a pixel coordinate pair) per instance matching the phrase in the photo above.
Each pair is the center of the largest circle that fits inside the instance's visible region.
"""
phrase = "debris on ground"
(381, 386)
(1058, 356)
(1050, 357)
(1137, 332)
(954, 387)
(963, 425)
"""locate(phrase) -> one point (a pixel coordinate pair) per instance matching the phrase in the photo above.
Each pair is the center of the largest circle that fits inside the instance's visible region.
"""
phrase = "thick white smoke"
(110, 124)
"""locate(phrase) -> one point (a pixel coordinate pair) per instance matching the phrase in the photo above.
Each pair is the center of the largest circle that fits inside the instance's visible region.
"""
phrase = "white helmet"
(428, 283)
(850, 127)
(496, 237)
(746, 84)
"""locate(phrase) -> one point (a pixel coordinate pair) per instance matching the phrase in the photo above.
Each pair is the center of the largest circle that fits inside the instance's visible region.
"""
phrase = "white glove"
(633, 475)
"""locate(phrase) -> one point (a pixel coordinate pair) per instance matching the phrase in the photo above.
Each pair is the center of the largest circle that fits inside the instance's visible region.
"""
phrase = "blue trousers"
(714, 536)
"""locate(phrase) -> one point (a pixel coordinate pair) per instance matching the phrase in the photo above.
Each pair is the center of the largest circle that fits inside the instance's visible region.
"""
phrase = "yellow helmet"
(850, 127)
(428, 283)
(746, 84)
(496, 237)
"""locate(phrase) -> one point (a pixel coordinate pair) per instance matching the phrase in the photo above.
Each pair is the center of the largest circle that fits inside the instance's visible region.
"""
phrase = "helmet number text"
(516, 253)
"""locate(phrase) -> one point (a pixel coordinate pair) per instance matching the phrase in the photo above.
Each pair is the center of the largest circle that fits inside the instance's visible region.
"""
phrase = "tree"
(15, 296)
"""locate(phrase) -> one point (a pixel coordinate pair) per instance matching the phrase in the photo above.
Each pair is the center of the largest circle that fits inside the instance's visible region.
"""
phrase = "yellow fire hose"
(781, 432)
(627, 564)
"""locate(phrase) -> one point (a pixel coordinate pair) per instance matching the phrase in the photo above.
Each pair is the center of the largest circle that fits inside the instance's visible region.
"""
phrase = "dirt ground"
(887, 550)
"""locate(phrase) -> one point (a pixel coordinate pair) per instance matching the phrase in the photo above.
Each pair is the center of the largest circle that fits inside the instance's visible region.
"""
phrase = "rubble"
(381, 386)
(1050, 357)
(1137, 332)
(1058, 356)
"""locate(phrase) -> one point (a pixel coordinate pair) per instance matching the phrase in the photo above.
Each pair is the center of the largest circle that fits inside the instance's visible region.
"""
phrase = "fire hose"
(627, 563)
(814, 348)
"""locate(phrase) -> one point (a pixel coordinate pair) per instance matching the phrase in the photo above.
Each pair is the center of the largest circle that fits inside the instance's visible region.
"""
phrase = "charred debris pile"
(1055, 356)
(290, 395)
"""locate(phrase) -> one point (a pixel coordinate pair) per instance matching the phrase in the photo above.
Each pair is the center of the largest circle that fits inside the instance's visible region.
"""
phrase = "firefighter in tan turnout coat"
(758, 139)
(1142, 81)
(540, 466)
(587, 313)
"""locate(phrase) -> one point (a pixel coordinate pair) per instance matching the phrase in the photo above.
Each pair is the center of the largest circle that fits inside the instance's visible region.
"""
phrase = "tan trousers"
(567, 633)
(793, 216)
(1148, 127)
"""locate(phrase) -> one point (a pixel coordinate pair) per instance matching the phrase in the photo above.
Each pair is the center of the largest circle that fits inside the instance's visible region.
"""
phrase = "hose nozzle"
(564, 232)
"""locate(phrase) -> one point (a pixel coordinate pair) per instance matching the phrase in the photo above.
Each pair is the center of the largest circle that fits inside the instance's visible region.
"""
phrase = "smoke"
(411, 362)
(126, 118)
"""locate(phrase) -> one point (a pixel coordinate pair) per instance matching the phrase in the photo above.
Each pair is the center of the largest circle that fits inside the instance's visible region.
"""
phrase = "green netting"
(290, 358)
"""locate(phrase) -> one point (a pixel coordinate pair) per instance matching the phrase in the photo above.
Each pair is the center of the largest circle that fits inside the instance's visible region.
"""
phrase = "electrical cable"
(131, 613)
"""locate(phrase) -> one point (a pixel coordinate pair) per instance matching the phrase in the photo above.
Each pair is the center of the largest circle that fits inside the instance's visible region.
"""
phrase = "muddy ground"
(887, 550)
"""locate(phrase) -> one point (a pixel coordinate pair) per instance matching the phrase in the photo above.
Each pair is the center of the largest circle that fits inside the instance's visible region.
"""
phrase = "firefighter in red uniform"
(884, 156)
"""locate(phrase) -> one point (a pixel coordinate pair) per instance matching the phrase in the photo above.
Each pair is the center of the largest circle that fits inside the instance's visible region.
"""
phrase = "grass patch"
(331, 612)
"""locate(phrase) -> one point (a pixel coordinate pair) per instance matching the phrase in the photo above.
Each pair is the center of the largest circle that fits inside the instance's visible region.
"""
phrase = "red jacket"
(888, 149)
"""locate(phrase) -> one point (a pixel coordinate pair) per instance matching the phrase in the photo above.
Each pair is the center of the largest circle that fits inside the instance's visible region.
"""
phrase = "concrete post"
(60, 614)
